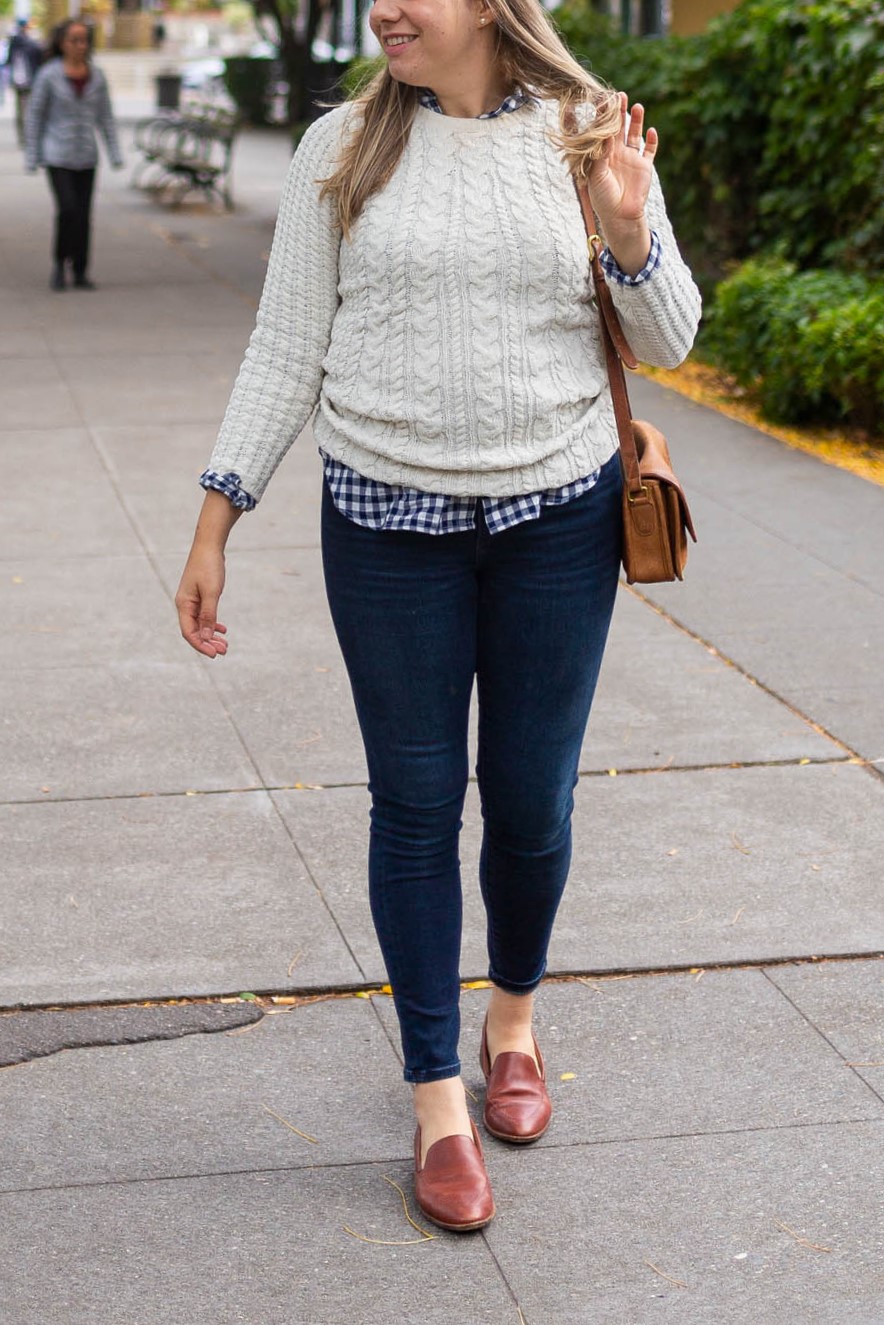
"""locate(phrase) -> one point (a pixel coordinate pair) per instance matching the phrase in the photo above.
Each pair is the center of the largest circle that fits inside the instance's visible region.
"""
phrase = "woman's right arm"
(279, 382)
(278, 385)
(203, 579)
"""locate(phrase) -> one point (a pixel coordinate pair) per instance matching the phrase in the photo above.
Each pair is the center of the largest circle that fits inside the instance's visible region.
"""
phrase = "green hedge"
(771, 125)
(809, 345)
(248, 80)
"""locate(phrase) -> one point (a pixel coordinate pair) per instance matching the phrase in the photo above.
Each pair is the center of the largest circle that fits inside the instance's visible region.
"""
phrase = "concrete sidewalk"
(177, 829)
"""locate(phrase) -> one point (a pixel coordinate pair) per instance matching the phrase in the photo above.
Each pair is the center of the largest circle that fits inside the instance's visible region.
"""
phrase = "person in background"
(24, 56)
(69, 104)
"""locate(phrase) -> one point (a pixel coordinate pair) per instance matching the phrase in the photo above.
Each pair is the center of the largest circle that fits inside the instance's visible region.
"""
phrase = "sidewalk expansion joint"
(30, 1031)
(875, 766)
(269, 787)
(854, 1066)
(405, 1160)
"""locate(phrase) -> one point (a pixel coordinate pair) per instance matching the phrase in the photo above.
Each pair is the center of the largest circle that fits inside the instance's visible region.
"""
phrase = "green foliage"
(771, 125)
(810, 344)
(361, 71)
(247, 79)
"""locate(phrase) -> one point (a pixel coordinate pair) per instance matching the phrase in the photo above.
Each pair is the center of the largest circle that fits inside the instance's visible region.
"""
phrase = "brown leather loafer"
(452, 1188)
(517, 1106)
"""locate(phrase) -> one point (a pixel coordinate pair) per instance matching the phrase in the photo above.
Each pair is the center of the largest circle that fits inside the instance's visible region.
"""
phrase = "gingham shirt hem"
(392, 508)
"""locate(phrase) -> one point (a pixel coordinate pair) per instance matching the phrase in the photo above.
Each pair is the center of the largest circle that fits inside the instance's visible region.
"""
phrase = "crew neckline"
(445, 125)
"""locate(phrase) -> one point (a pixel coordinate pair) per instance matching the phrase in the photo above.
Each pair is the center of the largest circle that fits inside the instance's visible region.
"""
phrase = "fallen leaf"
(612, 772)
(568, 1076)
(739, 846)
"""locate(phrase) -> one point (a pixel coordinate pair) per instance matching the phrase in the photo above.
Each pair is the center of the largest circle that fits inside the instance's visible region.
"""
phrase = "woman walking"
(428, 291)
(68, 104)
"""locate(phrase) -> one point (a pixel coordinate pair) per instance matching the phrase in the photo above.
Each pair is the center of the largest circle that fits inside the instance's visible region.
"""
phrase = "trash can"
(168, 91)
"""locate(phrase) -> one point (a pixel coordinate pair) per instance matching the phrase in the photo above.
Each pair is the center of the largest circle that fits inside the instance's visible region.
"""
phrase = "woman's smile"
(396, 43)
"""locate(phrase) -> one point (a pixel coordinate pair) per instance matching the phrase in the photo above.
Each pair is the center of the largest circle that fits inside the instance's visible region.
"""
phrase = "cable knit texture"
(452, 344)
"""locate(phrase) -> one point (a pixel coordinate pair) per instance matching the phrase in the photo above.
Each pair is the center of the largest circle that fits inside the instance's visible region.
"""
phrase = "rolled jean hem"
(509, 987)
(418, 1078)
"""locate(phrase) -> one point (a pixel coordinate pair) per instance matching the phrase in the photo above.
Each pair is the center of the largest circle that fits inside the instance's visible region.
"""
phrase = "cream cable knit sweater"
(451, 346)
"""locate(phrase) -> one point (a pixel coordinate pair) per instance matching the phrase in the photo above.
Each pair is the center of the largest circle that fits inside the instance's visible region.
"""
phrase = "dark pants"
(73, 201)
(525, 613)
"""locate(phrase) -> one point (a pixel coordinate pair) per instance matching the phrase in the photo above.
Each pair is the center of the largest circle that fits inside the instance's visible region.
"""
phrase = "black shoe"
(56, 280)
(84, 283)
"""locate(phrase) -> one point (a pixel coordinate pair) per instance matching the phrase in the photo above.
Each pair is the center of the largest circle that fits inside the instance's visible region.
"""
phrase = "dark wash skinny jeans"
(419, 616)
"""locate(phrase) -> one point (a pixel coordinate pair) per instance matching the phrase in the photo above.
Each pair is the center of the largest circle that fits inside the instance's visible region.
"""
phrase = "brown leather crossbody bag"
(656, 517)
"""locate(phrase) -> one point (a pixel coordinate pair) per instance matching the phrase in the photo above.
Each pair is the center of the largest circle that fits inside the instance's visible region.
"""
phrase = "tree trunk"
(294, 50)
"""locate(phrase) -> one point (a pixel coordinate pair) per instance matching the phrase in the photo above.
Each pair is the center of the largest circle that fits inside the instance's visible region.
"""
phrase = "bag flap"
(655, 463)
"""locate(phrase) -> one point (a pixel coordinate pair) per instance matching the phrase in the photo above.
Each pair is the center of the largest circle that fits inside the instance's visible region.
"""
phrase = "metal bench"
(187, 151)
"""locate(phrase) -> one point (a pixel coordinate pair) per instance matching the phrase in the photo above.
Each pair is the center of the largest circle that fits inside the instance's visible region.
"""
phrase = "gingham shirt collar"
(428, 99)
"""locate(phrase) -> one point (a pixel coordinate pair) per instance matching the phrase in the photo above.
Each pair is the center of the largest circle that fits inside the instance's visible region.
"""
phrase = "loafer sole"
(515, 1140)
(458, 1228)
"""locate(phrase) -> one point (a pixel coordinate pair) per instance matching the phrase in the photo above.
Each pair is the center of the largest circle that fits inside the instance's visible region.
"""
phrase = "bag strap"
(616, 348)
(614, 343)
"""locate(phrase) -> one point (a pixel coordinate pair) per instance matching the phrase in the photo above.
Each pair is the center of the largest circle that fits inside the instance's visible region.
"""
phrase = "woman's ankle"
(441, 1110)
(509, 1023)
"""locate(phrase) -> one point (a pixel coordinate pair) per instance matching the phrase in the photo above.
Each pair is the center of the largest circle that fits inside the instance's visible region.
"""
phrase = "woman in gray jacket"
(69, 102)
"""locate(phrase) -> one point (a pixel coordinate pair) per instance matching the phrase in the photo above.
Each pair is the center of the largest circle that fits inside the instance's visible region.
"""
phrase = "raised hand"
(619, 182)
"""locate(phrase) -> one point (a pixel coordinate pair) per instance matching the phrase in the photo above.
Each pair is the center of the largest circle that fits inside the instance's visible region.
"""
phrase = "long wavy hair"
(530, 54)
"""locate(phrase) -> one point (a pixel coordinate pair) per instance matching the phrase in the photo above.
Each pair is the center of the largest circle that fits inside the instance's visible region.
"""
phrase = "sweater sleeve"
(278, 385)
(660, 315)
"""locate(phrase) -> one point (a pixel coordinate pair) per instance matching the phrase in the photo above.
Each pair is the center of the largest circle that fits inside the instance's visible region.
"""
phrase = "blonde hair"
(530, 54)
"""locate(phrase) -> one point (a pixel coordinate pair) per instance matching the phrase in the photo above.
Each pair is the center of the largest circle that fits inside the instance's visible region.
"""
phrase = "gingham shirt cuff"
(615, 273)
(229, 485)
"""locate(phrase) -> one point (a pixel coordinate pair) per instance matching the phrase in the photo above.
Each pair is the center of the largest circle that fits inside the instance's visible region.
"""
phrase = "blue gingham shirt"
(392, 507)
